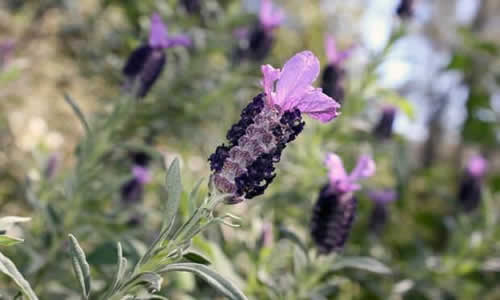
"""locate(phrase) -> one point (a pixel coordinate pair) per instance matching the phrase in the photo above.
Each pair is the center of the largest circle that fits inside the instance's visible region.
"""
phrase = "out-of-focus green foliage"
(428, 249)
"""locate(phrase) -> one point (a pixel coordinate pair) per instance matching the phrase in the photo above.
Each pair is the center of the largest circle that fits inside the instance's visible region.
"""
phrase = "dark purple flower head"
(332, 219)
(334, 74)
(383, 196)
(383, 129)
(335, 210)
(260, 38)
(470, 190)
(146, 63)
(405, 9)
(192, 6)
(133, 189)
(245, 167)
(380, 212)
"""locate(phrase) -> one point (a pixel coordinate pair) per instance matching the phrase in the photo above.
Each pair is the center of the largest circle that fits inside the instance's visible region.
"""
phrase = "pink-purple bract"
(340, 181)
(334, 56)
(269, 17)
(291, 88)
(477, 166)
(159, 38)
(141, 174)
(382, 196)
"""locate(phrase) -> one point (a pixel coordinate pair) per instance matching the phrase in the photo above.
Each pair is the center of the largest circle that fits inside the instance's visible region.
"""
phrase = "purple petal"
(267, 18)
(364, 168)
(477, 166)
(318, 106)
(343, 55)
(158, 36)
(270, 76)
(295, 80)
(241, 33)
(331, 49)
(382, 196)
(336, 171)
(179, 40)
(141, 174)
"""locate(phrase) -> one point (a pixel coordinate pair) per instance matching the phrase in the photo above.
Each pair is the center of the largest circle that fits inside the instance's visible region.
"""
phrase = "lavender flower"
(146, 63)
(405, 9)
(469, 194)
(192, 6)
(133, 189)
(380, 211)
(261, 37)
(245, 167)
(335, 210)
(6, 49)
(266, 236)
(383, 129)
(52, 165)
(334, 73)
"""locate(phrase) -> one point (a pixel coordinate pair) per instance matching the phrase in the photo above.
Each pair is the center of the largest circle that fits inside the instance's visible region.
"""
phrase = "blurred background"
(437, 64)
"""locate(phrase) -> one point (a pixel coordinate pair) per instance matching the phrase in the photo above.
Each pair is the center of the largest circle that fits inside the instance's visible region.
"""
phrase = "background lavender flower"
(52, 165)
(383, 129)
(192, 6)
(335, 210)
(146, 63)
(470, 190)
(405, 9)
(245, 167)
(260, 38)
(334, 73)
(380, 212)
(6, 49)
(132, 190)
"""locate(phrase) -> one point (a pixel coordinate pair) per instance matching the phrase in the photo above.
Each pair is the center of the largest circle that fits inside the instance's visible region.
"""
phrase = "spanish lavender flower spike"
(6, 48)
(469, 194)
(52, 165)
(245, 166)
(380, 212)
(146, 63)
(261, 37)
(192, 6)
(335, 210)
(334, 73)
(132, 190)
(405, 9)
(383, 129)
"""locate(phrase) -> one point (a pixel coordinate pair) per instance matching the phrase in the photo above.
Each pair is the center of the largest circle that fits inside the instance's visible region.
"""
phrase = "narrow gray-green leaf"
(362, 263)
(122, 266)
(8, 268)
(210, 276)
(193, 195)
(294, 238)
(78, 112)
(174, 190)
(80, 266)
(150, 280)
(196, 257)
(6, 240)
